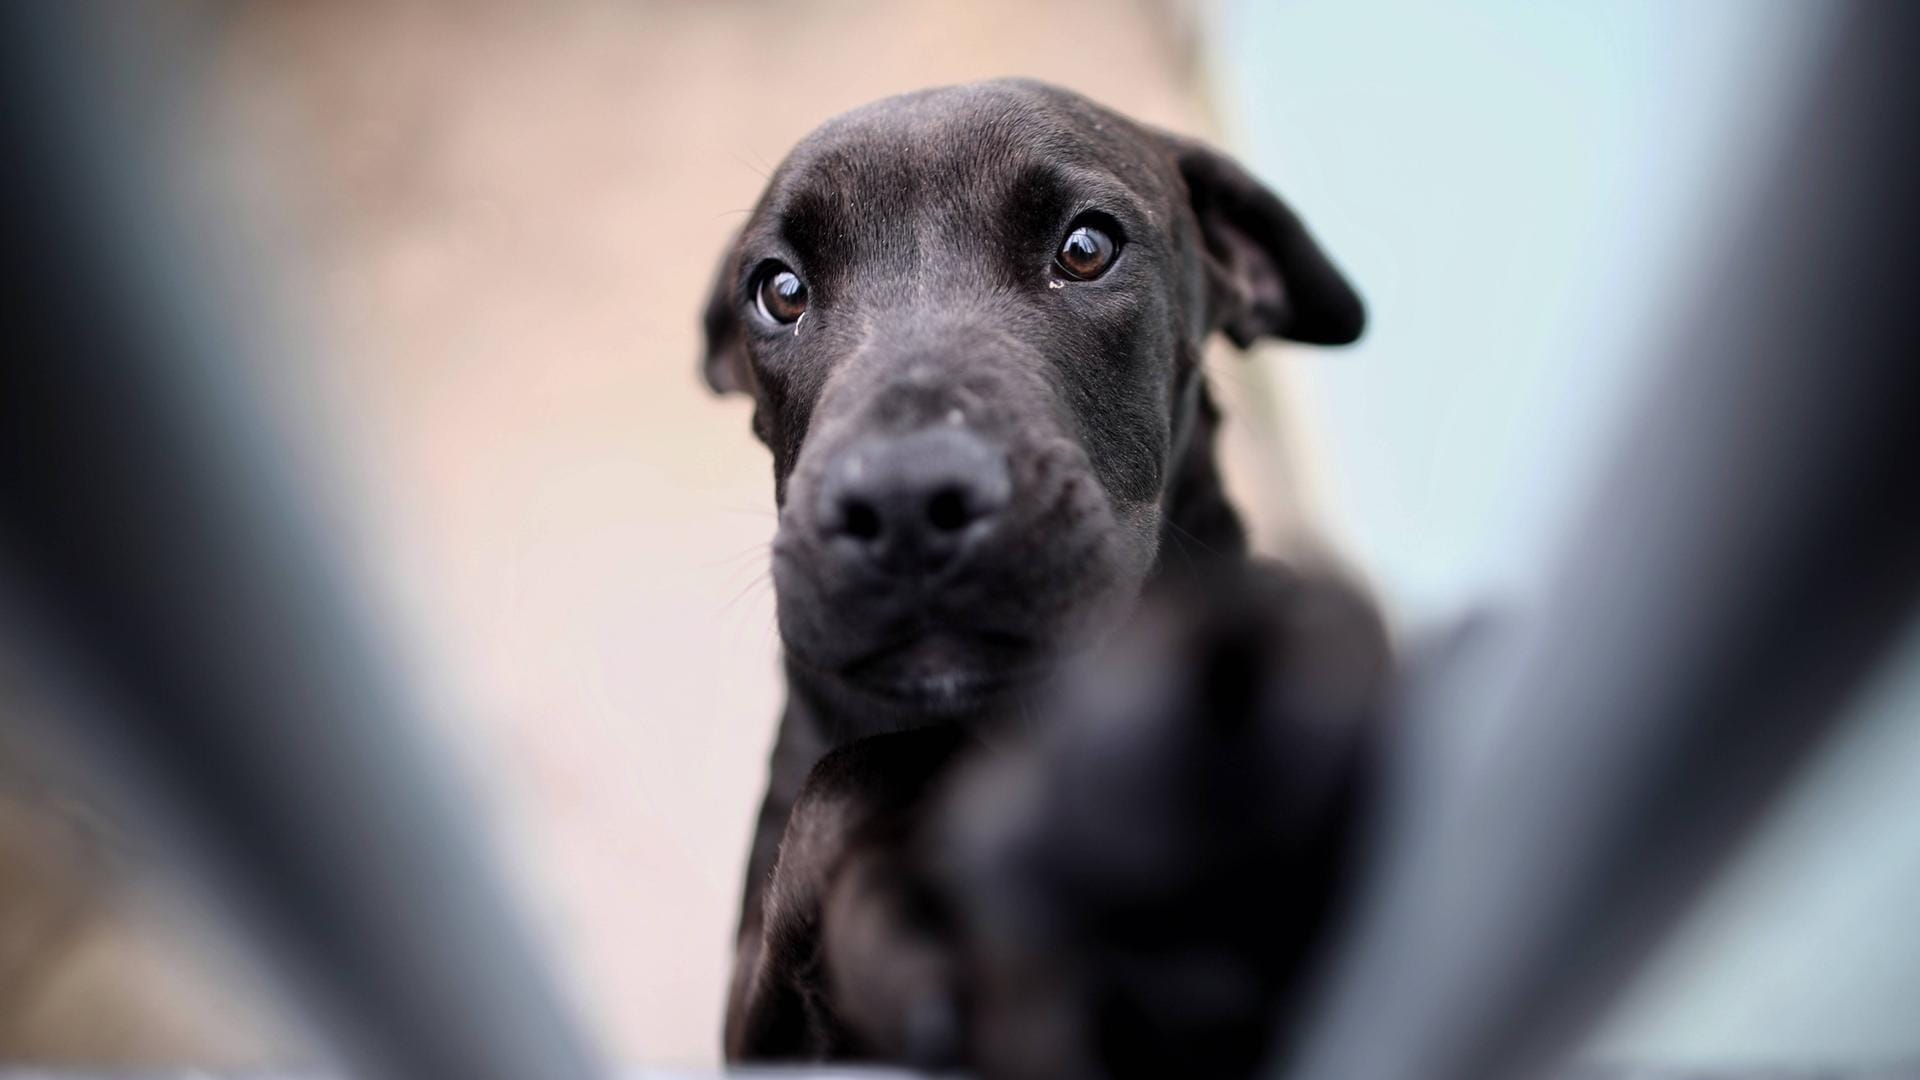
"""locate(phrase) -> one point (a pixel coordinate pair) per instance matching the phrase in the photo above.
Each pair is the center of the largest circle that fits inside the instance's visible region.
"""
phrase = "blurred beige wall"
(500, 221)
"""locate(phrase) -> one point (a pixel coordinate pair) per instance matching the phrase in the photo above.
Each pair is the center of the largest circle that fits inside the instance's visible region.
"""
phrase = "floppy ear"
(1265, 275)
(725, 362)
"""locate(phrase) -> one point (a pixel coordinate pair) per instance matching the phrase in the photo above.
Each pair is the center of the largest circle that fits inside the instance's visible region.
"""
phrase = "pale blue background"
(1522, 192)
(1518, 189)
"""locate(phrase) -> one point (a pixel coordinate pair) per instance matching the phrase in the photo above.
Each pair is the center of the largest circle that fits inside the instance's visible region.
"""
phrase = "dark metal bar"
(158, 543)
(1752, 553)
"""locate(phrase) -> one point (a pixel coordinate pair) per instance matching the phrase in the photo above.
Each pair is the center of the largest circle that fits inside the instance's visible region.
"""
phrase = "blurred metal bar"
(1749, 558)
(863, 1072)
(156, 542)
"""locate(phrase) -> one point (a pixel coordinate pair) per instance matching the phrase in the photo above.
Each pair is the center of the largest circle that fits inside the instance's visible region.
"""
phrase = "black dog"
(971, 320)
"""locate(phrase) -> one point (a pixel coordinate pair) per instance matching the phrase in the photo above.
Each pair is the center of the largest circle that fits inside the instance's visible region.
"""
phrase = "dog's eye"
(782, 296)
(1086, 252)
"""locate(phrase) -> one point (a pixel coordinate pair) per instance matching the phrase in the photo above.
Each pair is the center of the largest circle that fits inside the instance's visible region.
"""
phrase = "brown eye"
(1086, 252)
(782, 296)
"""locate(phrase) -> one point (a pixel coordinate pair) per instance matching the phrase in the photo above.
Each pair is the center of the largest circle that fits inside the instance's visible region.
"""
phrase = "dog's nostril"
(947, 510)
(911, 504)
(860, 519)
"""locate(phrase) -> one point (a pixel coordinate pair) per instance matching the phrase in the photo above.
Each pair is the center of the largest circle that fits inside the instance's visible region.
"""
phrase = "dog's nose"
(912, 504)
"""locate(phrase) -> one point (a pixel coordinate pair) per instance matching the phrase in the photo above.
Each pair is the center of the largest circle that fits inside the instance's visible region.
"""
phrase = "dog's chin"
(943, 674)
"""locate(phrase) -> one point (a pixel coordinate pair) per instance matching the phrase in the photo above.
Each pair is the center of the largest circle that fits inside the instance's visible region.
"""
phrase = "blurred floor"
(502, 221)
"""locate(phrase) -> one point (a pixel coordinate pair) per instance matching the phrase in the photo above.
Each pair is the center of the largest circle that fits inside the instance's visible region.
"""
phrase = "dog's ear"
(1265, 275)
(725, 362)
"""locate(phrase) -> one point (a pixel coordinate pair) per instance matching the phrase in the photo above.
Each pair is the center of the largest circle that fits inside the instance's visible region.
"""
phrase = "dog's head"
(971, 320)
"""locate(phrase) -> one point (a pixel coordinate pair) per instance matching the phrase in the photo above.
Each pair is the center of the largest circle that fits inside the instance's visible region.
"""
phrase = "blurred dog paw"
(1144, 881)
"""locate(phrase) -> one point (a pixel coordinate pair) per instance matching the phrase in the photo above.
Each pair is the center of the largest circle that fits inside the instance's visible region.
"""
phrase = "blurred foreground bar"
(1751, 556)
(763, 1073)
(166, 563)
(828, 1073)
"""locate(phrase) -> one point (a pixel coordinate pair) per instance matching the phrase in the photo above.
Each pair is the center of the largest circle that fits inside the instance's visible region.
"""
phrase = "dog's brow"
(806, 222)
(824, 225)
(1041, 196)
(1036, 198)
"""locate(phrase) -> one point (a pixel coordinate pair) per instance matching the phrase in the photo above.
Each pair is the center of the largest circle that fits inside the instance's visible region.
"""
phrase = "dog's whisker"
(1202, 544)
(734, 559)
(758, 580)
(736, 562)
(756, 511)
(1180, 545)
(765, 577)
(762, 171)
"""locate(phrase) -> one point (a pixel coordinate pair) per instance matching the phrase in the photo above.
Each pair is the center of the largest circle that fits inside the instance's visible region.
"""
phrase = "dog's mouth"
(950, 672)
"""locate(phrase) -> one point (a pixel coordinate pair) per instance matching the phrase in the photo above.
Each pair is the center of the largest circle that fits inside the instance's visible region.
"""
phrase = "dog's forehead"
(980, 120)
(962, 145)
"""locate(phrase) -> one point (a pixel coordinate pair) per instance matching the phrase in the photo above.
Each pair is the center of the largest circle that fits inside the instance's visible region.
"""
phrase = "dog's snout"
(913, 503)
